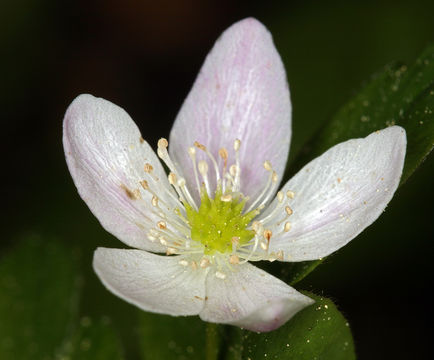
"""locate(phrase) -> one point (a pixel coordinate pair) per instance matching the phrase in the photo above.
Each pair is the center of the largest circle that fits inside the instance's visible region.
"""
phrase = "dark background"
(144, 56)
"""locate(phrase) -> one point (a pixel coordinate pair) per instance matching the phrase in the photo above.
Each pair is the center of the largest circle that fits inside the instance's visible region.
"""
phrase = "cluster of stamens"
(218, 231)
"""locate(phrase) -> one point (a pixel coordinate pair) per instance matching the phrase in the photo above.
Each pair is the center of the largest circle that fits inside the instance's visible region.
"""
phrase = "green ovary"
(217, 222)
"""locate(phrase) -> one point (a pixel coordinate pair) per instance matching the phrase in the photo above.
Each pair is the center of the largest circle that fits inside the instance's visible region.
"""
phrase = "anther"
(163, 241)
(204, 262)
(237, 144)
(161, 225)
(144, 184)
(148, 168)
(268, 234)
(280, 196)
(200, 146)
(194, 265)
(203, 167)
(274, 177)
(279, 255)
(226, 198)
(183, 262)
(287, 226)
(181, 182)
(220, 275)
(170, 251)
(163, 143)
(172, 178)
(264, 245)
(191, 151)
(288, 210)
(234, 259)
(233, 169)
(290, 194)
(223, 154)
(267, 166)
(154, 201)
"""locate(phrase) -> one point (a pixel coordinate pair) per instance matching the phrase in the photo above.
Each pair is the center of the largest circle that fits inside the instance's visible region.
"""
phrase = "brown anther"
(234, 259)
(274, 177)
(193, 265)
(226, 198)
(148, 168)
(288, 210)
(141, 140)
(268, 234)
(154, 201)
(144, 184)
(223, 153)
(204, 262)
(161, 225)
(163, 143)
(290, 194)
(137, 194)
(130, 193)
(279, 255)
(287, 226)
(339, 180)
(200, 146)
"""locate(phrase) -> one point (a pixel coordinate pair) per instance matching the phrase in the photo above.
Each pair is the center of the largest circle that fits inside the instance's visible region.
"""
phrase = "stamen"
(192, 153)
(203, 170)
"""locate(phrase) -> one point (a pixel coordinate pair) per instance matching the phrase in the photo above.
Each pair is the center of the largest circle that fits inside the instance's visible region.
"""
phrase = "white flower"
(218, 208)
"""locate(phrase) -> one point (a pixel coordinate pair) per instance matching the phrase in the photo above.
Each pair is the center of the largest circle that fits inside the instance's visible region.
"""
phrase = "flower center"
(219, 224)
(218, 231)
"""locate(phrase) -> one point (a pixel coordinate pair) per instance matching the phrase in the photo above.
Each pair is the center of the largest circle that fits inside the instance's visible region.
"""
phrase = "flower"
(218, 209)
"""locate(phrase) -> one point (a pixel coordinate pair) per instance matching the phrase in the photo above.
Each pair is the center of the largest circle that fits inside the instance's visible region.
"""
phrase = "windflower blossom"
(218, 209)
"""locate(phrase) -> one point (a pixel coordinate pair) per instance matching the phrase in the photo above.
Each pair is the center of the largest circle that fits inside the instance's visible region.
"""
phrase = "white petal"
(106, 157)
(251, 298)
(151, 282)
(241, 92)
(340, 193)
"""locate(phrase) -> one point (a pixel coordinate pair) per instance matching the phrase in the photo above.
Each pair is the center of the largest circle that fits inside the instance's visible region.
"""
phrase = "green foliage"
(318, 332)
(39, 307)
(399, 95)
(178, 338)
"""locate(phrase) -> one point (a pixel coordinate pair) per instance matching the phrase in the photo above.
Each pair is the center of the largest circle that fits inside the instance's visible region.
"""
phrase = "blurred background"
(144, 56)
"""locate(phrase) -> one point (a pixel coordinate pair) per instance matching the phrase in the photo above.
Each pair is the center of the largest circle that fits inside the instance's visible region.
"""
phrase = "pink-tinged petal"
(106, 155)
(151, 282)
(340, 193)
(241, 92)
(252, 299)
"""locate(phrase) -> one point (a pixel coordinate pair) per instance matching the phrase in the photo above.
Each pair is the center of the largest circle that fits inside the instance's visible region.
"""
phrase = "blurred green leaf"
(178, 338)
(317, 332)
(39, 290)
(398, 95)
(93, 341)
(39, 303)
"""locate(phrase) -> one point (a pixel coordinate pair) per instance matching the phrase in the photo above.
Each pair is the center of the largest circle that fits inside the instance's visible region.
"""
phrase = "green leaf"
(317, 332)
(39, 307)
(38, 299)
(398, 95)
(167, 337)
(93, 341)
